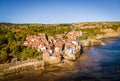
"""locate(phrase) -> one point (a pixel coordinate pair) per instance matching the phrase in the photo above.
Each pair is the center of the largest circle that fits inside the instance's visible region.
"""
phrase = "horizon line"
(60, 23)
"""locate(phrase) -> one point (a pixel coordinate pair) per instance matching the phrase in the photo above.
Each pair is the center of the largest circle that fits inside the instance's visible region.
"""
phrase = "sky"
(59, 11)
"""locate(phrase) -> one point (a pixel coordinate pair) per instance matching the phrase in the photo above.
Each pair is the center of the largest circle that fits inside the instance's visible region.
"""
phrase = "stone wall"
(20, 67)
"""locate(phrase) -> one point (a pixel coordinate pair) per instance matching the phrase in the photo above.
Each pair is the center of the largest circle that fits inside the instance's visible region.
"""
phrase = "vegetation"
(91, 32)
(83, 37)
(12, 36)
(64, 37)
(11, 45)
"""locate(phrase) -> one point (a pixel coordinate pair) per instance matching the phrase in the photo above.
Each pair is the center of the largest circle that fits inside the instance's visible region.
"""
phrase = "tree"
(3, 55)
(64, 37)
(29, 52)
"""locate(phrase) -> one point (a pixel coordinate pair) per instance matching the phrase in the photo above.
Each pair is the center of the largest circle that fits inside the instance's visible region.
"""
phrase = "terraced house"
(54, 48)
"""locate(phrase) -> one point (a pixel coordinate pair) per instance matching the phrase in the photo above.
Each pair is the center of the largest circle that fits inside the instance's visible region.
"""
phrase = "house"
(59, 36)
(57, 49)
(50, 39)
(59, 45)
(57, 54)
(73, 35)
(71, 51)
(53, 48)
(43, 47)
(75, 42)
(70, 48)
(50, 57)
(26, 43)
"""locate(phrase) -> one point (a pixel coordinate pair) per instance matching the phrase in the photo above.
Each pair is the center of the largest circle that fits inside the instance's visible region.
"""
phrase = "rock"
(95, 42)
(103, 44)
(72, 57)
(85, 43)
(51, 59)
(99, 36)
(68, 61)
(39, 64)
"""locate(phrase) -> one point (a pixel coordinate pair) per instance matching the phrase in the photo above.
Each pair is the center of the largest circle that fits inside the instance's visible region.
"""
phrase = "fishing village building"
(54, 48)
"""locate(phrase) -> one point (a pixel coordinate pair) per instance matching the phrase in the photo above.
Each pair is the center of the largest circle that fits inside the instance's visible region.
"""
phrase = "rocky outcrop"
(68, 61)
(91, 42)
(73, 56)
(95, 42)
(85, 43)
(51, 59)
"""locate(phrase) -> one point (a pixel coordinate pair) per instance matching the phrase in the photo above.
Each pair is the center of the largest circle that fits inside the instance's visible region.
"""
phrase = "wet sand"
(50, 73)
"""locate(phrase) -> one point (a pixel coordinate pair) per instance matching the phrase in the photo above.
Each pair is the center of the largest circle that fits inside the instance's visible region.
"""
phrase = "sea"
(103, 63)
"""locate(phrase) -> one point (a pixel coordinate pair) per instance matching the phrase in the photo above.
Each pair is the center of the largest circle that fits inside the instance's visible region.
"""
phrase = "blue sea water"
(103, 63)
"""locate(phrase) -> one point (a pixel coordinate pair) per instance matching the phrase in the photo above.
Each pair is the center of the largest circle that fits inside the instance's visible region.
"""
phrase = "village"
(56, 49)
(46, 50)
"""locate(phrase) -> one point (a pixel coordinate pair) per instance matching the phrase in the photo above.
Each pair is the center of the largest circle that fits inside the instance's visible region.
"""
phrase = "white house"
(70, 50)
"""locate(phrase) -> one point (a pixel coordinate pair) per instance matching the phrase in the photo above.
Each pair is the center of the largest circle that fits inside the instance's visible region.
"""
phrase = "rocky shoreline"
(61, 69)
(31, 65)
